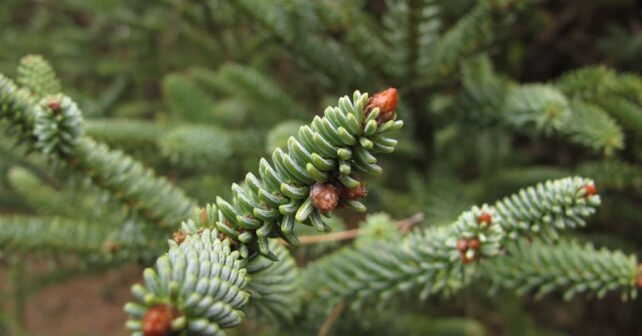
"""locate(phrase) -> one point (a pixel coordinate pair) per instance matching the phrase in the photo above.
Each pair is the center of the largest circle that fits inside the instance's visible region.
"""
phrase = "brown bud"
(112, 247)
(355, 193)
(589, 190)
(325, 196)
(386, 101)
(462, 245)
(54, 105)
(179, 236)
(203, 215)
(485, 217)
(474, 244)
(158, 321)
(465, 259)
(638, 278)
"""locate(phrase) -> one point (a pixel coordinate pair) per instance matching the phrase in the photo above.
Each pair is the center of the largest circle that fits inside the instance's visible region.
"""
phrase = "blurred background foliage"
(200, 89)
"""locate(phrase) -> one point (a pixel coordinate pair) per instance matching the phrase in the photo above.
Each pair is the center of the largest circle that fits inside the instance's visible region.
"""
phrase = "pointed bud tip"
(386, 101)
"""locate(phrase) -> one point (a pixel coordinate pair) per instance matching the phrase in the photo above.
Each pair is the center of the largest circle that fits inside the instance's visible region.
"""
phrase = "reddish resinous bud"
(158, 321)
(462, 245)
(355, 193)
(386, 101)
(485, 217)
(179, 236)
(589, 190)
(474, 244)
(54, 105)
(325, 196)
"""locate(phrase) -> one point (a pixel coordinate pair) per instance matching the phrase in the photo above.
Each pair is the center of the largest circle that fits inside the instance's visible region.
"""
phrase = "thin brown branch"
(404, 225)
(334, 315)
(334, 236)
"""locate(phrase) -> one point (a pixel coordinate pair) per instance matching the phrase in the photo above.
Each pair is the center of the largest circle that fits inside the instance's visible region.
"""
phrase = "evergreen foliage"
(53, 234)
(129, 156)
(36, 75)
(202, 279)
(573, 267)
(438, 260)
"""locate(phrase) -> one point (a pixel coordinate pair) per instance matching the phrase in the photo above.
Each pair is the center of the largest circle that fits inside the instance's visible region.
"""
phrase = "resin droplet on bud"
(589, 190)
(355, 193)
(325, 196)
(54, 105)
(462, 245)
(179, 236)
(386, 101)
(485, 217)
(474, 244)
(158, 321)
(467, 248)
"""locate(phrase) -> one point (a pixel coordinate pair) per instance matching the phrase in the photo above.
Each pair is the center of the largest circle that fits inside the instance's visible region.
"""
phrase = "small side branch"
(403, 225)
(334, 315)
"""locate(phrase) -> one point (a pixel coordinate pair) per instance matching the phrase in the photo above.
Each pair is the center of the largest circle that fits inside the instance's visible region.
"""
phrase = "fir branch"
(186, 100)
(131, 183)
(376, 54)
(54, 127)
(250, 85)
(398, 31)
(57, 125)
(548, 207)
(198, 286)
(37, 75)
(326, 155)
(472, 32)
(32, 234)
(188, 146)
(227, 240)
(197, 147)
(127, 134)
(614, 174)
(438, 260)
(429, 25)
(15, 110)
(44, 198)
(541, 108)
(274, 287)
(324, 56)
(570, 266)
(427, 262)
(623, 110)
(588, 83)
(538, 105)
(593, 127)
(618, 94)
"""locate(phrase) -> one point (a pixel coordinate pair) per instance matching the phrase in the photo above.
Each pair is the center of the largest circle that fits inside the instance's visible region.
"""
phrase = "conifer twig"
(334, 315)
(404, 225)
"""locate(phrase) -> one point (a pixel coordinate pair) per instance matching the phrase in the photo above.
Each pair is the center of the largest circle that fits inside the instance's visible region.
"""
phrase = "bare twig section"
(334, 236)
(404, 225)
(334, 315)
